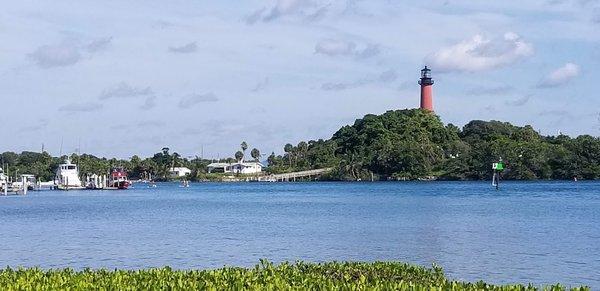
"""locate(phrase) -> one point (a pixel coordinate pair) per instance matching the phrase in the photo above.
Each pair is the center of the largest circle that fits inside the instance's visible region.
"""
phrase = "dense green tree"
(415, 144)
(255, 153)
(239, 156)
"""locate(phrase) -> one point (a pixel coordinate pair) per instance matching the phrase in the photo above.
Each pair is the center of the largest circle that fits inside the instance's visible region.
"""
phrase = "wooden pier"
(293, 176)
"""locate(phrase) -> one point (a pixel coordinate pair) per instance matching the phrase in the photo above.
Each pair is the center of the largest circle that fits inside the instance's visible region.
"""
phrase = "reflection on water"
(540, 232)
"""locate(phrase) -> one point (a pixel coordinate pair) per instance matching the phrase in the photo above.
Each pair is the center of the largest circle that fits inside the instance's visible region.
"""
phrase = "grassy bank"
(265, 276)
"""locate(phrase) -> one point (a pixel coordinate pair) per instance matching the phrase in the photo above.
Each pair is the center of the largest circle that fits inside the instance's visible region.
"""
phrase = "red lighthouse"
(426, 89)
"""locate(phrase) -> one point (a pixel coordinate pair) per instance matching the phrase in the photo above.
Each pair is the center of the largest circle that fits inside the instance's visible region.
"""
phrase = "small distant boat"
(67, 177)
(3, 181)
(118, 179)
(185, 183)
(27, 180)
(95, 182)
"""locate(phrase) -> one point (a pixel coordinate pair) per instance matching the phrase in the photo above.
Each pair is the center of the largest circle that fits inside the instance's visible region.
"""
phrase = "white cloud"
(261, 85)
(493, 90)
(151, 123)
(98, 45)
(388, 76)
(480, 54)
(193, 99)
(560, 76)
(384, 77)
(369, 51)
(48, 56)
(66, 53)
(81, 107)
(285, 7)
(518, 102)
(37, 126)
(338, 86)
(149, 103)
(332, 47)
(255, 16)
(306, 9)
(185, 49)
(337, 47)
(124, 90)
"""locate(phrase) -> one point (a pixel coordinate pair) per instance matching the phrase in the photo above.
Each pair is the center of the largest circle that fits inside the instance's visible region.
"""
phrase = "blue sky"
(128, 77)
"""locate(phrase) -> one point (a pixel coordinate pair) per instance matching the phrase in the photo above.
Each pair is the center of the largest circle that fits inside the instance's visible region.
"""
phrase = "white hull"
(67, 177)
(64, 187)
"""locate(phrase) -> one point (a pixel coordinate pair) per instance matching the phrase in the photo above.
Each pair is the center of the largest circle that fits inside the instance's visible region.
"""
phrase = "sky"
(118, 78)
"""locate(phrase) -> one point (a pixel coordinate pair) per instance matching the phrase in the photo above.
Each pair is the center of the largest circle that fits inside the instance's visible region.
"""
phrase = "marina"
(67, 178)
(20, 185)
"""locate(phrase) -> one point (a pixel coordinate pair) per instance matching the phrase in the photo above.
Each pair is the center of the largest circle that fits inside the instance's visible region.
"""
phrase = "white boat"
(27, 181)
(67, 177)
(185, 184)
(3, 180)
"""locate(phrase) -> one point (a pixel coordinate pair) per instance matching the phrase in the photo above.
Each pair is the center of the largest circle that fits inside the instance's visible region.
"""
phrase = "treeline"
(397, 145)
(157, 167)
(43, 166)
(415, 144)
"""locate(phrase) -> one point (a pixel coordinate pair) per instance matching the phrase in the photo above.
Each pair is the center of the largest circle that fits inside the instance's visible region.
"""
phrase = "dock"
(293, 176)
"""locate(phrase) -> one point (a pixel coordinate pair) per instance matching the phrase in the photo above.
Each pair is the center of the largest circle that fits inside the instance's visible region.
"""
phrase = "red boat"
(118, 179)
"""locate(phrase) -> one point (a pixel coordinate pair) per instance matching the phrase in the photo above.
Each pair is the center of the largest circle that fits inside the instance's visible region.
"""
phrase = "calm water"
(537, 232)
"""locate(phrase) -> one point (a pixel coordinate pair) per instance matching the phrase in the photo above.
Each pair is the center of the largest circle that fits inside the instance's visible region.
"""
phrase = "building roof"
(218, 165)
(253, 163)
(179, 169)
(246, 164)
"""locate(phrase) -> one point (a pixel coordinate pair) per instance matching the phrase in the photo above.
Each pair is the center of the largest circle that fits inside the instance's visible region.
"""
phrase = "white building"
(179, 172)
(236, 168)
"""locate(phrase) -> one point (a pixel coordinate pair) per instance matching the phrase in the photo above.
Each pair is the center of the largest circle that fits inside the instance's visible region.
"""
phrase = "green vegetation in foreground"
(265, 276)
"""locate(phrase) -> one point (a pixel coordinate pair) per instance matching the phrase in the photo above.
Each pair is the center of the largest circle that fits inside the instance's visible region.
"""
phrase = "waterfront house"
(236, 168)
(177, 172)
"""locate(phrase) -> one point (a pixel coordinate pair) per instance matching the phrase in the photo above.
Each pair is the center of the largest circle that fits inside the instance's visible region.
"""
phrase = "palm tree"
(239, 156)
(175, 160)
(244, 148)
(271, 159)
(288, 149)
(302, 149)
(255, 153)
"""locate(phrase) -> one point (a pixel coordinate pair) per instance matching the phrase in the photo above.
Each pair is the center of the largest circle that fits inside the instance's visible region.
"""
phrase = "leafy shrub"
(264, 276)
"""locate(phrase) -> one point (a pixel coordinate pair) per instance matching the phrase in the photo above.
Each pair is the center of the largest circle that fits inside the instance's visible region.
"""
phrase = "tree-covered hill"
(415, 144)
